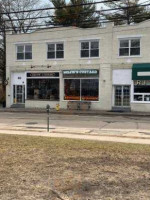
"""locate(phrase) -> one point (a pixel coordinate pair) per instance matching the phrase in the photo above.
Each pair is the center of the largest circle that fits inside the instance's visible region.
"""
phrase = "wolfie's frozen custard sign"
(81, 73)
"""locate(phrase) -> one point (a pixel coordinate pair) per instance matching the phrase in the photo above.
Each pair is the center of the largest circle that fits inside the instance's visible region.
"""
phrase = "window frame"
(89, 41)
(55, 44)
(97, 78)
(129, 40)
(24, 52)
(140, 94)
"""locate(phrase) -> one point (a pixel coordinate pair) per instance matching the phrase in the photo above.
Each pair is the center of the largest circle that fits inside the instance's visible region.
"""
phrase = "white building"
(108, 67)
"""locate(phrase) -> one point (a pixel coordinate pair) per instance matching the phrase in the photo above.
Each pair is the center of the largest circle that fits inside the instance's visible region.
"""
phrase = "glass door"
(122, 95)
(19, 94)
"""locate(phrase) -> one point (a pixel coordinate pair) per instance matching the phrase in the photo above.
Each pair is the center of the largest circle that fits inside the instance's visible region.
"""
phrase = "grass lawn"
(31, 167)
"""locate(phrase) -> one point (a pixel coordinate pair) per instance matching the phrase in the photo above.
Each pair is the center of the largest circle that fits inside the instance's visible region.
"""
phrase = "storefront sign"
(142, 82)
(81, 73)
(51, 74)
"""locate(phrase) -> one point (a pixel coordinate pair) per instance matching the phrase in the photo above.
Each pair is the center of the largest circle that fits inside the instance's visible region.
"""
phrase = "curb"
(75, 112)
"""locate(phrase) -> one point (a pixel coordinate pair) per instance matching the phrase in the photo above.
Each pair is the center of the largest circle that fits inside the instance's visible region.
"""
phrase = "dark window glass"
(28, 56)
(94, 45)
(135, 43)
(138, 97)
(84, 53)
(124, 43)
(95, 53)
(124, 52)
(28, 48)
(59, 54)
(72, 89)
(84, 45)
(135, 51)
(59, 47)
(51, 47)
(20, 49)
(90, 88)
(20, 56)
(43, 89)
(51, 55)
(141, 88)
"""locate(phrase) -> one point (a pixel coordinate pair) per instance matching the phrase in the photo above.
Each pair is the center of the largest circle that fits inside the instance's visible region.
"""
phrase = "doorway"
(19, 94)
(122, 96)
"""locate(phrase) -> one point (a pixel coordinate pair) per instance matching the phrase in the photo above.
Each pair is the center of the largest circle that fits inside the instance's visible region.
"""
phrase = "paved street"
(74, 121)
(127, 129)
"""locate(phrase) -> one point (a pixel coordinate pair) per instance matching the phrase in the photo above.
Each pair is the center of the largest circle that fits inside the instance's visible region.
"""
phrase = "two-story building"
(108, 66)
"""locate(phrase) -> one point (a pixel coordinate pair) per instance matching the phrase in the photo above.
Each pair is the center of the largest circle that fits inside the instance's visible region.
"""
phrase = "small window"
(129, 47)
(55, 51)
(89, 49)
(24, 52)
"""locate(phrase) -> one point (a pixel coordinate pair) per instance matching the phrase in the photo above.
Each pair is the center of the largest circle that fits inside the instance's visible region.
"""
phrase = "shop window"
(142, 90)
(81, 89)
(55, 51)
(43, 89)
(89, 89)
(24, 52)
(72, 89)
(89, 49)
(129, 47)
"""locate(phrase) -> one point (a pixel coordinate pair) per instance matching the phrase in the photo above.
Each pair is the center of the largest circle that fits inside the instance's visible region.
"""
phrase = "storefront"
(81, 85)
(141, 83)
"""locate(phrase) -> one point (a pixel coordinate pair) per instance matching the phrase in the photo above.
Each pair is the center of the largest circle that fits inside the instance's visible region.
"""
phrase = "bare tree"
(21, 21)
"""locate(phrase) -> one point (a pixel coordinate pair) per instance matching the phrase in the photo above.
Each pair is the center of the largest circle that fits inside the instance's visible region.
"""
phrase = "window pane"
(141, 88)
(124, 43)
(51, 55)
(84, 53)
(94, 45)
(138, 97)
(59, 54)
(51, 47)
(135, 43)
(95, 53)
(146, 97)
(28, 56)
(124, 52)
(90, 88)
(72, 89)
(43, 89)
(20, 56)
(59, 47)
(20, 49)
(85, 45)
(28, 48)
(135, 51)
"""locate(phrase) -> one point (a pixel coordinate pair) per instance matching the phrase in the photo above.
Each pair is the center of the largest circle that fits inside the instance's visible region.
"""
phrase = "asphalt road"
(73, 121)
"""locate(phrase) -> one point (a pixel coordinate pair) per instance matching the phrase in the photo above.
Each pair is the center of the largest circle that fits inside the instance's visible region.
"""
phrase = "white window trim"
(129, 39)
(92, 40)
(53, 59)
(23, 44)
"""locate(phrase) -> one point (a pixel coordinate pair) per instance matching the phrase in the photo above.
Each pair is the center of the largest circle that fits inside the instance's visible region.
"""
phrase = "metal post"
(48, 111)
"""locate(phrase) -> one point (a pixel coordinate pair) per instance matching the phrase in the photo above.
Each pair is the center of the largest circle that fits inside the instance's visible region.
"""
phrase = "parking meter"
(48, 111)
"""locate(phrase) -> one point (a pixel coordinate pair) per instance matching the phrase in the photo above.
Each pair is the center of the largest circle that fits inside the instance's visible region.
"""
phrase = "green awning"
(141, 71)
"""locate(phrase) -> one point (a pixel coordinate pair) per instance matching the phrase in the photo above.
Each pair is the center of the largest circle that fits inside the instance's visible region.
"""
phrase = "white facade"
(114, 71)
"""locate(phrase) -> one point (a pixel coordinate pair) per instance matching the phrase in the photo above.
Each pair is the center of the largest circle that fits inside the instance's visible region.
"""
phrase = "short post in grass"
(48, 111)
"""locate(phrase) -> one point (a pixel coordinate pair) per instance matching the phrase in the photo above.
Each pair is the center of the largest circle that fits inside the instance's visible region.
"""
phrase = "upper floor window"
(24, 52)
(55, 51)
(89, 49)
(129, 47)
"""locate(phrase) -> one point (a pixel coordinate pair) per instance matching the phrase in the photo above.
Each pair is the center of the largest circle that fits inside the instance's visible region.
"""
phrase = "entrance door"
(122, 95)
(19, 94)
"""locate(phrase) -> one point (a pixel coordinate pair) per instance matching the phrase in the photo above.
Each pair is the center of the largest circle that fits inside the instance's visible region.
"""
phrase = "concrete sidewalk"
(76, 112)
(124, 136)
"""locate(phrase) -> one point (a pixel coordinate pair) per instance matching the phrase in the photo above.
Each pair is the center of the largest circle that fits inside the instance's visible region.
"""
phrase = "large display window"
(142, 90)
(81, 89)
(42, 88)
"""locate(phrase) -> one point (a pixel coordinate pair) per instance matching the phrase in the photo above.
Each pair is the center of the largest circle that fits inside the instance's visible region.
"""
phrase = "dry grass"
(82, 170)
